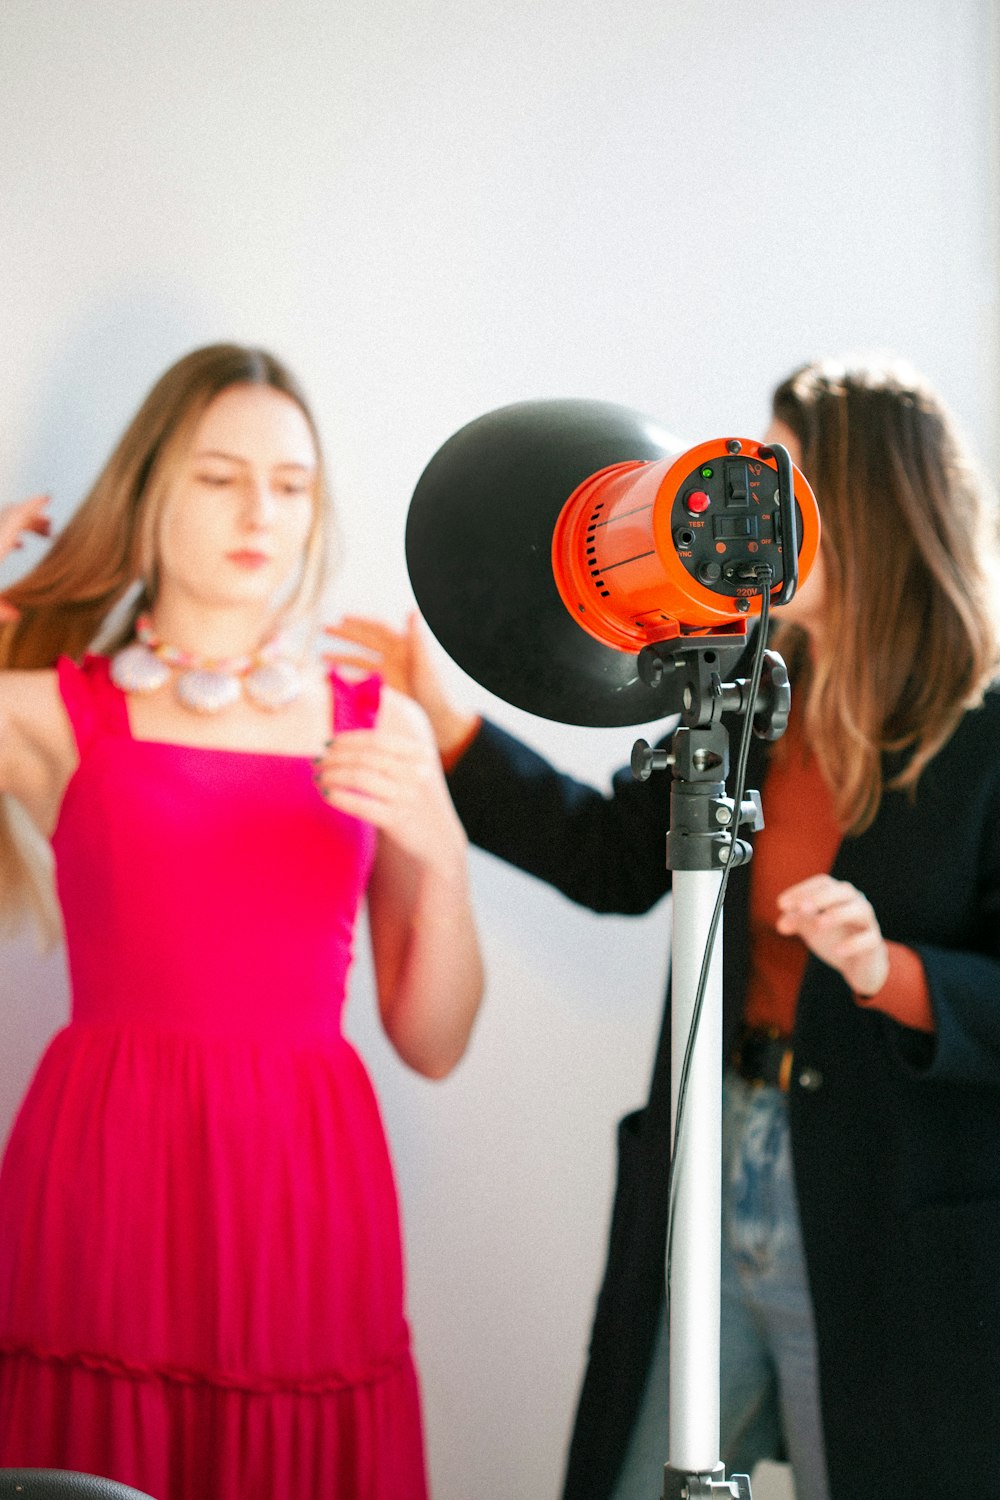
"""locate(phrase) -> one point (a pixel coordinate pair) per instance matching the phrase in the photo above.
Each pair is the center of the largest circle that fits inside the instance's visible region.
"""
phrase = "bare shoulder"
(36, 740)
(31, 702)
(399, 714)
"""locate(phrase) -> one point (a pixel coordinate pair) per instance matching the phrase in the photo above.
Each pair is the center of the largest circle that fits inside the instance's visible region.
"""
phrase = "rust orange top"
(800, 838)
(451, 757)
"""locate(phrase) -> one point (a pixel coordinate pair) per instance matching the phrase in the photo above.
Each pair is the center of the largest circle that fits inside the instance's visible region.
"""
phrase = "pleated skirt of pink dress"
(229, 1326)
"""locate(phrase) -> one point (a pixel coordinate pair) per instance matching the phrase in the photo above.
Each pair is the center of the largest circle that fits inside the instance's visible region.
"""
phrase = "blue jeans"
(768, 1370)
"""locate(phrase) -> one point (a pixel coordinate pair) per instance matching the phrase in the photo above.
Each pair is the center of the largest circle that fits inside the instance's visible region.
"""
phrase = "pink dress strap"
(93, 703)
(355, 704)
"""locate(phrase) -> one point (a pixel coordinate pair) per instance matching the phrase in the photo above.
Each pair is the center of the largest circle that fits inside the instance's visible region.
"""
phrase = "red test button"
(697, 502)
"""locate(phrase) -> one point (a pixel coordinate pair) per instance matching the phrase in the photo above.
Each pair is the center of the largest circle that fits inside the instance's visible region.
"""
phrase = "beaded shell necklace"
(268, 677)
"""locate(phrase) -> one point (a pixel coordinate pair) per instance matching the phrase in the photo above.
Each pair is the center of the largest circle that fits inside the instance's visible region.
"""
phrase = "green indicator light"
(707, 473)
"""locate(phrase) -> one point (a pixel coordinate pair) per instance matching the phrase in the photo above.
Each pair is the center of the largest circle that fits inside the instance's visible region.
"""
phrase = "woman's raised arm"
(37, 752)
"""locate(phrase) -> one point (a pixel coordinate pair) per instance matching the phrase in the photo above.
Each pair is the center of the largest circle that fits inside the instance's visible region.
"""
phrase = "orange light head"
(645, 552)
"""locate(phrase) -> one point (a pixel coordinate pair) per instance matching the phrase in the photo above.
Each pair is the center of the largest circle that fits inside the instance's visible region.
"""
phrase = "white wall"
(432, 208)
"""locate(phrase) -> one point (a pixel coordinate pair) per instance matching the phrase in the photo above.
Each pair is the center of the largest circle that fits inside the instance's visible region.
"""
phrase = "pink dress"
(201, 1288)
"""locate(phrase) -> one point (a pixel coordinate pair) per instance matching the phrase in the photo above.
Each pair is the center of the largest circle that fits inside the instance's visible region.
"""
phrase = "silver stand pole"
(695, 1255)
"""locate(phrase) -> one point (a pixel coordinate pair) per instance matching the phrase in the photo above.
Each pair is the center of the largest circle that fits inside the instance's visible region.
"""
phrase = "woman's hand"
(15, 519)
(403, 660)
(391, 776)
(427, 963)
(837, 923)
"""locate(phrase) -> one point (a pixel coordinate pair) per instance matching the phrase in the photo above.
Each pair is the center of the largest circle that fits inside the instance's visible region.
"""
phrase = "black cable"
(764, 575)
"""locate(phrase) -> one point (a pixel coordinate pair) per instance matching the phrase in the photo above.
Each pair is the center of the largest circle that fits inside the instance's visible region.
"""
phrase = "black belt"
(764, 1057)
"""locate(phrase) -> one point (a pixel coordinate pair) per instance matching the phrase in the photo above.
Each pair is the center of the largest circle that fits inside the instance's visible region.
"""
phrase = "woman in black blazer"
(875, 1084)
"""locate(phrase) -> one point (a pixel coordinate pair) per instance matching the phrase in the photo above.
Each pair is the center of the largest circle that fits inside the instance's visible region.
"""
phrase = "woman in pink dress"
(201, 1287)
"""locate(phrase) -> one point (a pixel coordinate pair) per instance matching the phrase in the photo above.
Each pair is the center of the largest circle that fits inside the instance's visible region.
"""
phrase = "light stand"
(546, 543)
(702, 844)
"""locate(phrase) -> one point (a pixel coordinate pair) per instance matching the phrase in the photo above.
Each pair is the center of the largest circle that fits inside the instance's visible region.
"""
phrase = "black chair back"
(63, 1484)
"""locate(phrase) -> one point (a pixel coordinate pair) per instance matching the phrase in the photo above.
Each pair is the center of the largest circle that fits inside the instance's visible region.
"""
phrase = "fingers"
(375, 764)
(859, 945)
(358, 744)
(819, 894)
(31, 515)
(23, 516)
(33, 503)
(825, 911)
(809, 891)
(384, 650)
(360, 805)
(372, 635)
(416, 635)
(389, 780)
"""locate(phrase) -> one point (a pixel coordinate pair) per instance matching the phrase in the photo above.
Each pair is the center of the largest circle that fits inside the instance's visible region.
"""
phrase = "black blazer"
(895, 1134)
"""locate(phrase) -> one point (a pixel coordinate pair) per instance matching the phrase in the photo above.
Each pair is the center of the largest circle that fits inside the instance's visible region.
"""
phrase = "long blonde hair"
(910, 636)
(108, 548)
